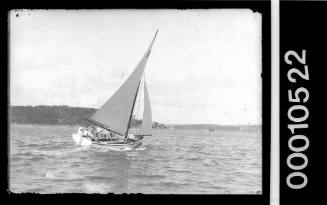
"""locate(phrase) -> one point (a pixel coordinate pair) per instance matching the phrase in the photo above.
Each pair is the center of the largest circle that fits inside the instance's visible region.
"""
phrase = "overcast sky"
(204, 67)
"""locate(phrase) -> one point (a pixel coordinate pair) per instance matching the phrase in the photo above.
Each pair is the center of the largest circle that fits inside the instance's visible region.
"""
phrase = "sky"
(204, 67)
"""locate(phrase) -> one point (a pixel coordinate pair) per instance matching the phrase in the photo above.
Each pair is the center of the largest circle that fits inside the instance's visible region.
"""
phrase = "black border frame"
(256, 6)
(302, 27)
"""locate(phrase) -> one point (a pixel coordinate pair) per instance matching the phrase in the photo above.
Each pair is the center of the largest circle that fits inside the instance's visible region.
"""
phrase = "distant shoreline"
(73, 116)
(250, 128)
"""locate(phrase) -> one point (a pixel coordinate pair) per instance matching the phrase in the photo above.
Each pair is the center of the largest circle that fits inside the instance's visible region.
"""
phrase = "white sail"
(147, 116)
(116, 113)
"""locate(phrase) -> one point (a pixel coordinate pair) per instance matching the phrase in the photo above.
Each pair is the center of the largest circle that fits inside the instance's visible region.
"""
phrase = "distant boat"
(116, 113)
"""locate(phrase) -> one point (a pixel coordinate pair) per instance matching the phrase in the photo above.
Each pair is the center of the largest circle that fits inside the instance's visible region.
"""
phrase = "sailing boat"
(116, 113)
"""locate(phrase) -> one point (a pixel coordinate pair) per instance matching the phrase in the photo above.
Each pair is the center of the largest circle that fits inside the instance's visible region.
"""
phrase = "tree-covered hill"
(54, 115)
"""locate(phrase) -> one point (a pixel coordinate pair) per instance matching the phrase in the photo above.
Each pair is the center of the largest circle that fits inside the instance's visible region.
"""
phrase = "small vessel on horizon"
(116, 113)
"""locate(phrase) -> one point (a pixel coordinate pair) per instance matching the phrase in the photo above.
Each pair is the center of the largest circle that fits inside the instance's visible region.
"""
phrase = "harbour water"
(44, 159)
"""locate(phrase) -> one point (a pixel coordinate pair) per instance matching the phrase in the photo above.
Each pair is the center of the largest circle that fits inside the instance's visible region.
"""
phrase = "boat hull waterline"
(80, 140)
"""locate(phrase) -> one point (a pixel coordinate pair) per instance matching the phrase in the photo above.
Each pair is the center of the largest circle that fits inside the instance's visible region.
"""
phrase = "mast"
(147, 55)
(116, 113)
(130, 117)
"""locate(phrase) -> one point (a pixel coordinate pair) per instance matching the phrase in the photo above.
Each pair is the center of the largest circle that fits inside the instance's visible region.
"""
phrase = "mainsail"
(115, 114)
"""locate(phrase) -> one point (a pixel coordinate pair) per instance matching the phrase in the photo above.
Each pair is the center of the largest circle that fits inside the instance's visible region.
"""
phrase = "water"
(44, 159)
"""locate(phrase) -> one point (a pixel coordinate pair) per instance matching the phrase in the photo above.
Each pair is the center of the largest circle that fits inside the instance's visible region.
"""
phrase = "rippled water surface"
(44, 159)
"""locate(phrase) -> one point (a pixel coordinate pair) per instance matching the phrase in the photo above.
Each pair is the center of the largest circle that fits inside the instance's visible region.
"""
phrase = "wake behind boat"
(112, 121)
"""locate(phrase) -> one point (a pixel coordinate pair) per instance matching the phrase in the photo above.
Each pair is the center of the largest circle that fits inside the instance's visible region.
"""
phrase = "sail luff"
(116, 112)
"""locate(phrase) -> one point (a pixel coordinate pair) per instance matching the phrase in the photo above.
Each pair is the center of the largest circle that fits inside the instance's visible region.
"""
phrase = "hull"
(119, 146)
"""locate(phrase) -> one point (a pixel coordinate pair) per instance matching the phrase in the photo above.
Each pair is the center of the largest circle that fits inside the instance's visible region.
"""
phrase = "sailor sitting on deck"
(112, 136)
(87, 133)
(80, 131)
